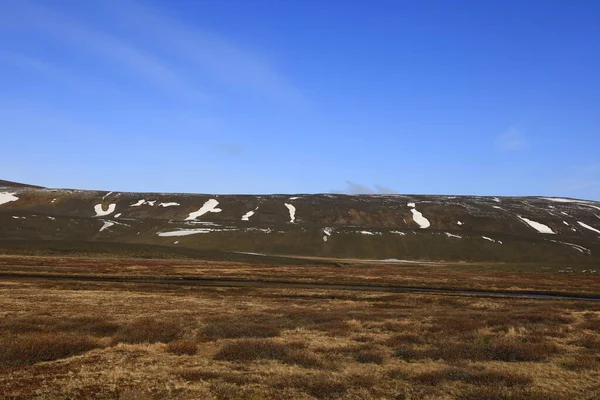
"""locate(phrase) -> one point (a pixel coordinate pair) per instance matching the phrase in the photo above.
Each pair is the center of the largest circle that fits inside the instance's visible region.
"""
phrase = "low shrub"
(237, 329)
(374, 356)
(148, 330)
(265, 349)
(182, 347)
(27, 349)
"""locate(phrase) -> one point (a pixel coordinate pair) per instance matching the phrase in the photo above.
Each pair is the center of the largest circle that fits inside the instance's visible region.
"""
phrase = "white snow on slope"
(187, 232)
(541, 228)
(562, 200)
(117, 215)
(496, 199)
(294, 198)
(209, 206)
(107, 224)
(51, 218)
(492, 240)
(418, 217)
(106, 195)
(100, 211)
(144, 202)
(327, 232)
(586, 226)
(450, 235)
(459, 223)
(246, 217)
(577, 247)
(579, 202)
(399, 233)
(395, 260)
(171, 204)
(292, 210)
(6, 197)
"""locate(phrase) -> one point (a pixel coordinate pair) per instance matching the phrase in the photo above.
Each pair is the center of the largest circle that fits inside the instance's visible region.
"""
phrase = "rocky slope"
(404, 227)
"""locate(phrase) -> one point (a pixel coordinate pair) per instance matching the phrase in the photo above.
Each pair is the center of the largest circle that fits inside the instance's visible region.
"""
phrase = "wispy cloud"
(109, 47)
(232, 64)
(359, 188)
(230, 149)
(511, 140)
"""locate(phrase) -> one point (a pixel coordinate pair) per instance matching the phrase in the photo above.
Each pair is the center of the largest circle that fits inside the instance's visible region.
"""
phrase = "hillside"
(372, 227)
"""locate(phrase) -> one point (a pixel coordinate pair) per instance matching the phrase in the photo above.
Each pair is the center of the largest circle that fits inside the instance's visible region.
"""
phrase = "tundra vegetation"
(77, 339)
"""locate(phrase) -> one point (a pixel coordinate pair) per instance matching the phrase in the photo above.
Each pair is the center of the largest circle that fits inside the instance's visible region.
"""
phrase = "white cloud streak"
(511, 140)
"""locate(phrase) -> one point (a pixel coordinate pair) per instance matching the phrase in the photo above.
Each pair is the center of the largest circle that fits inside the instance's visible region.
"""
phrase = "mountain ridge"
(374, 227)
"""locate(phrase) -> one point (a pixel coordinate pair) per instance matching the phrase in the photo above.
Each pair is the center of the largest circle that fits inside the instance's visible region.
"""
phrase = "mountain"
(372, 227)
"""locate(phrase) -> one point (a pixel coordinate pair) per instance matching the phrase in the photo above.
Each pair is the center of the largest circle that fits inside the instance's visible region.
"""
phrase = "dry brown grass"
(237, 329)
(182, 347)
(31, 348)
(474, 377)
(247, 343)
(246, 350)
(148, 330)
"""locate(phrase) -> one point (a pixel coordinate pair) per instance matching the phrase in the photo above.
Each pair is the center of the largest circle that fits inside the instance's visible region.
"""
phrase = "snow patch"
(117, 215)
(366, 233)
(171, 204)
(398, 233)
(459, 223)
(292, 211)
(420, 219)
(562, 200)
(51, 218)
(492, 240)
(6, 197)
(450, 235)
(411, 204)
(143, 202)
(395, 260)
(577, 247)
(53, 200)
(541, 228)
(246, 217)
(209, 206)
(175, 242)
(106, 195)
(328, 231)
(586, 226)
(185, 232)
(294, 198)
(325, 238)
(107, 224)
(100, 212)
(566, 223)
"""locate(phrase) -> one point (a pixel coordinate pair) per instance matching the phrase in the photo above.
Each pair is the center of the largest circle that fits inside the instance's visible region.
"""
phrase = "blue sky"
(434, 97)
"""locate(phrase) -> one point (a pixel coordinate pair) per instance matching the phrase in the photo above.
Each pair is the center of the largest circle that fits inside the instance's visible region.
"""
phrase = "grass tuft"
(148, 330)
(182, 347)
(27, 349)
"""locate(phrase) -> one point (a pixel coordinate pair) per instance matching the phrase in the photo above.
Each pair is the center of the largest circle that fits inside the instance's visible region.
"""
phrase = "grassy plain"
(76, 339)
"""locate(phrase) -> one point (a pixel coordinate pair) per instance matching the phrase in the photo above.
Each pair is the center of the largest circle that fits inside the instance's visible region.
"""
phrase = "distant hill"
(4, 183)
(373, 227)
